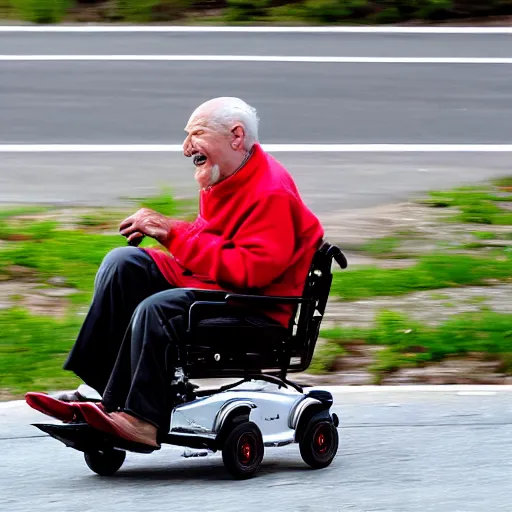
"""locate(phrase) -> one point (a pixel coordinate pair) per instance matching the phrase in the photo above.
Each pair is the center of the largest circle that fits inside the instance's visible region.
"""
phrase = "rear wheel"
(105, 463)
(243, 450)
(319, 444)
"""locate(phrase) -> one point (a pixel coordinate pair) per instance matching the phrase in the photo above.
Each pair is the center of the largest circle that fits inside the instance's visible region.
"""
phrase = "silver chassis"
(275, 409)
(278, 407)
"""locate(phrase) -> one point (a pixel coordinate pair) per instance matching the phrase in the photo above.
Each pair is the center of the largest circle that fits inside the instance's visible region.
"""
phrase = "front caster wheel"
(243, 449)
(319, 444)
(105, 463)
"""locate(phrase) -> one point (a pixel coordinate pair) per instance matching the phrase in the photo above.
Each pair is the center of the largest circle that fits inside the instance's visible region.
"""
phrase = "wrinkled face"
(210, 150)
(216, 152)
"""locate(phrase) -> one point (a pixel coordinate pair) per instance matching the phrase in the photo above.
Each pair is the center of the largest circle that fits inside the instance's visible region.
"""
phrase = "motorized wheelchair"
(261, 409)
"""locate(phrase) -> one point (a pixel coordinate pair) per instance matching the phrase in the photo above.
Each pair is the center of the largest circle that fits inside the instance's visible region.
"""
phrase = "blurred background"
(309, 11)
(395, 119)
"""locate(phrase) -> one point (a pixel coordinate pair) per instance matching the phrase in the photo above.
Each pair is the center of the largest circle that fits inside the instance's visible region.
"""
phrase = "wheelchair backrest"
(308, 317)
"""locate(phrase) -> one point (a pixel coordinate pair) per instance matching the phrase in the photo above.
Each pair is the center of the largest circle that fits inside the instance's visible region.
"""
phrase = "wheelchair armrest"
(239, 299)
(196, 306)
(208, 295)
(265, 299)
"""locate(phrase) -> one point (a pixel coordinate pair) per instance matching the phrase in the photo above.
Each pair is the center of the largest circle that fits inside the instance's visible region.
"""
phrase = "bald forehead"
(199, 117)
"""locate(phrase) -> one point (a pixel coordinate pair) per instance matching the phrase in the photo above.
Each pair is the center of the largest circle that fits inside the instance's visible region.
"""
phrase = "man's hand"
(146, 222)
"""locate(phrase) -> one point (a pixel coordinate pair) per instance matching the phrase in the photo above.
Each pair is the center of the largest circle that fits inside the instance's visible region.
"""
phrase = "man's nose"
(187, 147)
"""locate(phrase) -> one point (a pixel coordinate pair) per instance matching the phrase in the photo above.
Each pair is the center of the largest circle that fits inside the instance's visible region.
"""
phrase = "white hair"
(225, 111)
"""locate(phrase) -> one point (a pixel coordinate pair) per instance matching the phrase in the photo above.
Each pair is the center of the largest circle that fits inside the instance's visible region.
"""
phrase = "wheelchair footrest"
(84, 438)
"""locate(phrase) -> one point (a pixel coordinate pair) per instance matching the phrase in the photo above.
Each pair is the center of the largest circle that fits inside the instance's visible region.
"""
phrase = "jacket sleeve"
(258, 253)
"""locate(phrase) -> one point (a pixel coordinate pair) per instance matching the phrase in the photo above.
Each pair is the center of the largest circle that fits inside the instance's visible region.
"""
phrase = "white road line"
(263, 58)
(255, 29)
(477, 393)
(459, 389)
(273, 148)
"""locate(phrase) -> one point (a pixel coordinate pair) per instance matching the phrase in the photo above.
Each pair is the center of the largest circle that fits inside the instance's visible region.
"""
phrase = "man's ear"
(238, 135)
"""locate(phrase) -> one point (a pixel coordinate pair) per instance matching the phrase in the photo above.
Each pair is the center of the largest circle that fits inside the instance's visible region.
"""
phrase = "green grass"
(433, 271)
(474, 204)
(410, 344)
(476, 300)
(439, 296)
(381, 246)
(14, 211)
(326, 354)
(166, 203)
(48, 249)
(484, 235)
(325, 357)
(73, 255)
(33, 350)
(102, 219)
(503, 182)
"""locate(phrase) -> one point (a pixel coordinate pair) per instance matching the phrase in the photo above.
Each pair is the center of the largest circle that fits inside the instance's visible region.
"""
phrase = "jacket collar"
(242, 175)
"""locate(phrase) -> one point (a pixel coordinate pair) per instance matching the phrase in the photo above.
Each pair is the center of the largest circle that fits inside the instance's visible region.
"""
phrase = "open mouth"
(199, 159)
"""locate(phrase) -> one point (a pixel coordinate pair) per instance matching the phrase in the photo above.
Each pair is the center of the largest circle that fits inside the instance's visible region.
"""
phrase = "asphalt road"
(375, 45)
(150, 102)
(400, 451)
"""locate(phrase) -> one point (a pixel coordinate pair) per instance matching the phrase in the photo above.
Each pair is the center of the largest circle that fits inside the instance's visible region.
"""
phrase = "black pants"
(127, 347)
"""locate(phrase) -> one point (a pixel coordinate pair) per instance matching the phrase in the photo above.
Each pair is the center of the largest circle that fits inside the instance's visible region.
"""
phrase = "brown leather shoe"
(120, 424)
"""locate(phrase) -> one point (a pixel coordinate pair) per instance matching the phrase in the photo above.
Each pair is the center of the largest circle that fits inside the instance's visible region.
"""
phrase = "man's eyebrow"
(195, 131)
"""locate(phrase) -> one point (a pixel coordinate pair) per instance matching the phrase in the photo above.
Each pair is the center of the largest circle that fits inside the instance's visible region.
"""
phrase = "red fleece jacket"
(253, 235)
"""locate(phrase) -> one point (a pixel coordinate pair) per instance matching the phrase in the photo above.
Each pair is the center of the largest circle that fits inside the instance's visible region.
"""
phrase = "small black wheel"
(319, 444)
(105, 463)
(243, 450)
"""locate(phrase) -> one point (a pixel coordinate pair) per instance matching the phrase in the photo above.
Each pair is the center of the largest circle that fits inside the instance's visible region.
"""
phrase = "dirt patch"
(420, 228)
(360, 260)
(352, 370)
(76, 217)
(352, 229)
(431, 307)
(469, 370)
(6, 396)
(30, 295)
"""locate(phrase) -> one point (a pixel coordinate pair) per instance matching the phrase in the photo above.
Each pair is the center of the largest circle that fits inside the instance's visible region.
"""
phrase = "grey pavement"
(150, 102)
(355, 45)
(400, 451)
(327, 181)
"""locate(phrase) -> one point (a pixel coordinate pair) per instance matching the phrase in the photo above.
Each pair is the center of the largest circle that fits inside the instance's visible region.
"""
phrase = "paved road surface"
(327, 182)
(149, 102)
(375, 45)
(401, 451)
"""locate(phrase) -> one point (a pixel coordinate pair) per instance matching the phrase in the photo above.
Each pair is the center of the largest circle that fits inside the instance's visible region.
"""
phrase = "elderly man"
(253, 234)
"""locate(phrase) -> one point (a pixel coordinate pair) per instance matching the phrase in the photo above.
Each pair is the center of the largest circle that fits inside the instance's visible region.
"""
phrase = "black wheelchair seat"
(226, 338)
